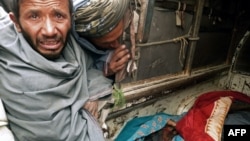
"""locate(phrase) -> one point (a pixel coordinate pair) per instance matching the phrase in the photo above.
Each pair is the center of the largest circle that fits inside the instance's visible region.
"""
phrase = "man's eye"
(34, 16)
(59, 16)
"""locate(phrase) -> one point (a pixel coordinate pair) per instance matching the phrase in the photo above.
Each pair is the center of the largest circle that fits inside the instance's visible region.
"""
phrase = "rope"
(174, 40)
(184, 44)
(183, 41)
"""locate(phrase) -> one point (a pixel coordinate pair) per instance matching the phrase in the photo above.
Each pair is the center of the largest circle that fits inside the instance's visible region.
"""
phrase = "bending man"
(103, 23)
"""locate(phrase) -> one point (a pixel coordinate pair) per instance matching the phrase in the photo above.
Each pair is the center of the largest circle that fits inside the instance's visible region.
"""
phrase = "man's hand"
(118, 60)
(92, 107)
(169, 130)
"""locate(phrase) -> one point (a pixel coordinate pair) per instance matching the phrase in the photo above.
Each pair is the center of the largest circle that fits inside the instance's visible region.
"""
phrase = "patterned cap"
(99, 17)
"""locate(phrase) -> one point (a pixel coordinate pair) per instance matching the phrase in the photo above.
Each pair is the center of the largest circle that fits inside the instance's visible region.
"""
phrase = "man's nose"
(49, 28)
(115, 44)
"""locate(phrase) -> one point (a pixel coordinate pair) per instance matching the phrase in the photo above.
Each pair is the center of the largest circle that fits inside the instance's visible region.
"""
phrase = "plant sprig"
(118, 95)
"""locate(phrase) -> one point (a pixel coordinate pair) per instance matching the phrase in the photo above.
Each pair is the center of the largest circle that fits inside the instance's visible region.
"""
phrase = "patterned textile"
(140, 127)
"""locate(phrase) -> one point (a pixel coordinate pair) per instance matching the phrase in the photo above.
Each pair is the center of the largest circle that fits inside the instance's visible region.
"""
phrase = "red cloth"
(194, 125)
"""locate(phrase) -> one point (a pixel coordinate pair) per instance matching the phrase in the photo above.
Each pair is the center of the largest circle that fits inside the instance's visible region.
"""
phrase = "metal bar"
(124, 111)
(158, 88)
(157, 91)
(146, 14)
(194, 34)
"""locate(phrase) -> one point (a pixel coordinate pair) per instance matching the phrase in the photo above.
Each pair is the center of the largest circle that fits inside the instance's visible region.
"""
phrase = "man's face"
(45, 25)
(110, 40)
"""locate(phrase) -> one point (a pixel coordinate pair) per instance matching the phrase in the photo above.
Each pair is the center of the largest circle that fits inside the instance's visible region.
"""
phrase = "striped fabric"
(98, 17)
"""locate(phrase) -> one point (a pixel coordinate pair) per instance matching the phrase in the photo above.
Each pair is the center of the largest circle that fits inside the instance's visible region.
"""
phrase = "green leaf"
(118, 95)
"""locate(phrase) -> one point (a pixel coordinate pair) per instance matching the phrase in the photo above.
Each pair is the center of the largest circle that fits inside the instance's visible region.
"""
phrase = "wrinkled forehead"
(44, 3)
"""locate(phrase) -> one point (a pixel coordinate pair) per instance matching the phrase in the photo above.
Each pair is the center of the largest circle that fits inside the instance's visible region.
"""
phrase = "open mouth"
(50, 44)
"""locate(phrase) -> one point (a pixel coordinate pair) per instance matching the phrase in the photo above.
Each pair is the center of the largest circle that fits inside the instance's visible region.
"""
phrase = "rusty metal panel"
(157, 60)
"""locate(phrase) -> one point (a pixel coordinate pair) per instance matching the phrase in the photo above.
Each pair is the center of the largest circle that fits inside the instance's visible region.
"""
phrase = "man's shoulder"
(7, 28)
(5, 20)
(2, 12)
(4, 17)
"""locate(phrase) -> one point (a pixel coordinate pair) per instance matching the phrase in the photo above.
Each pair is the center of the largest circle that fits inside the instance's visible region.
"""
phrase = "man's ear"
(15, 21)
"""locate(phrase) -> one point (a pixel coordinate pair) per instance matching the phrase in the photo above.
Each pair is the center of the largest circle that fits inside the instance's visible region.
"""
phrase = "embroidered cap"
(99, 17)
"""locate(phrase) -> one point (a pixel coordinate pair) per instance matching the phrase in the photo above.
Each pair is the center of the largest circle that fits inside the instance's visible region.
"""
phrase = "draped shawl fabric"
(100, 56)
(5, 133)
(43, 98)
